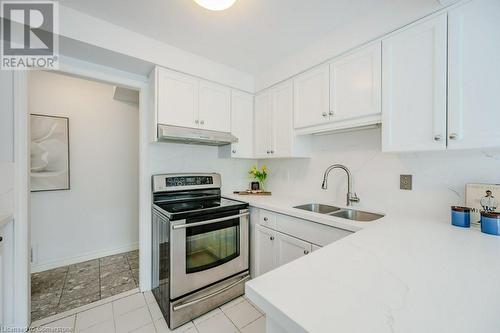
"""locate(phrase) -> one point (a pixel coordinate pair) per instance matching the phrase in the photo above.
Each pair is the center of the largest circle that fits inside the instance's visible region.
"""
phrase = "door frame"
(22, 222)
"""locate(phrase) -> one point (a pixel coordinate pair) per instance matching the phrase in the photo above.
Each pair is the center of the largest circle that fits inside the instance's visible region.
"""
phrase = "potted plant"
(259, 175)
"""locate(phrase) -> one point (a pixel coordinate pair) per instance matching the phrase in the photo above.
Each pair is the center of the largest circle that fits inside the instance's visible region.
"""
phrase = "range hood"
(194, 136)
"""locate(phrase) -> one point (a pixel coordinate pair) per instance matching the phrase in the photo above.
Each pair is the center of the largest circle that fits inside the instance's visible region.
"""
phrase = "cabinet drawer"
(267, 219)
(312, 232)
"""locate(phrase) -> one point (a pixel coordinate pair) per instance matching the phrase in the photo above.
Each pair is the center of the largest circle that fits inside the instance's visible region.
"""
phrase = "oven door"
(207, 249)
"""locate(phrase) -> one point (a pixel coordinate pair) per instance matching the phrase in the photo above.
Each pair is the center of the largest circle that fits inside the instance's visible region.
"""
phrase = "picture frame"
(50, 153)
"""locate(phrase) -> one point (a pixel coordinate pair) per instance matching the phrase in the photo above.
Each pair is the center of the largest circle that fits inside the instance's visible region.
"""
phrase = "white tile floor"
(138, 312)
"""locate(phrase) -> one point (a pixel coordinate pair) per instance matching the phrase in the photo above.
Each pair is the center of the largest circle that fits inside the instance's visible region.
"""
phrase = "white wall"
(6, 143)
(99, 215)
(173, 158)
(439, 177)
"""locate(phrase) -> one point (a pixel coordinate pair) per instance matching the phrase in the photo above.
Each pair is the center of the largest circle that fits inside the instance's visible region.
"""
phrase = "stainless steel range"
(200, 246)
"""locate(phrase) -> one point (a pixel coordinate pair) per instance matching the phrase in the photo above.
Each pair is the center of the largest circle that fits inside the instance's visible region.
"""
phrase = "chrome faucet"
(351, 197)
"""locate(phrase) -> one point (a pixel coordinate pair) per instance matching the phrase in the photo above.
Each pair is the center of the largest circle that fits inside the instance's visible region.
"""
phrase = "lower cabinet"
(6, 273)
(274, 239)
(274, 249)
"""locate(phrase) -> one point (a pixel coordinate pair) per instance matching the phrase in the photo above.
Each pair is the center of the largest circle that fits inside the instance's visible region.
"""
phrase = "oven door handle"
(201, 299)
(189, 225)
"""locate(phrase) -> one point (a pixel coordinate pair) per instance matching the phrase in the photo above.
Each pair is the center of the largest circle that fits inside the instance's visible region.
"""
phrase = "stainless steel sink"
(318, 208)
(349, 214)
(357, 215)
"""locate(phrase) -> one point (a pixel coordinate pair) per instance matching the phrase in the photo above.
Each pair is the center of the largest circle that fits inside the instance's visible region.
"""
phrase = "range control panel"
(185, 182)
(189, 181)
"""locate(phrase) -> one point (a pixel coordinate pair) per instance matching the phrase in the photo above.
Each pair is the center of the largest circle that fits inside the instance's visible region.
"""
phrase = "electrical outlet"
(405, 182)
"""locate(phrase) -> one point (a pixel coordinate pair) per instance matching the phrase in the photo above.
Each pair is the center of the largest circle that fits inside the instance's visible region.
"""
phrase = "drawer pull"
(266, 219)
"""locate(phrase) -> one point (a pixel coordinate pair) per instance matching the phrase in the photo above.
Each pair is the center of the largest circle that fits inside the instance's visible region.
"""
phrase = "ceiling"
(251, 36)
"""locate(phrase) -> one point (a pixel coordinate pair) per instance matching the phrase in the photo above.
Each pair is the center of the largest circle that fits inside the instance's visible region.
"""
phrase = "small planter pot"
(460, 216)
(490, 223)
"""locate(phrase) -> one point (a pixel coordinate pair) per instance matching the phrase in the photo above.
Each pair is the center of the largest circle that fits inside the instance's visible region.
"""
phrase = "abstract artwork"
(49, 153)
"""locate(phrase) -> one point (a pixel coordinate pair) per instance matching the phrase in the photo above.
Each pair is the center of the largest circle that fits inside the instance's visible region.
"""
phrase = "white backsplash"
(439, 178)
(182, 158)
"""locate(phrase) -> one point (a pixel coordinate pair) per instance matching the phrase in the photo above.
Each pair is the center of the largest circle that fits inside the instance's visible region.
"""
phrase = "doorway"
(85, 204)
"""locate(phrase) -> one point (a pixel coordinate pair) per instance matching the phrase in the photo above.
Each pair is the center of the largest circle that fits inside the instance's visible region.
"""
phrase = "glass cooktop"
(184, 209)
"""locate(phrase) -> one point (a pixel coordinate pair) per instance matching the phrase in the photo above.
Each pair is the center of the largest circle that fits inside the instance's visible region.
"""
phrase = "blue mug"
(460, 216)
(490, 223)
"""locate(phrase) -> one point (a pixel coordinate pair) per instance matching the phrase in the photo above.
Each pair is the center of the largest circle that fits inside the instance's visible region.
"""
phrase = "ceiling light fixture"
(217, 5)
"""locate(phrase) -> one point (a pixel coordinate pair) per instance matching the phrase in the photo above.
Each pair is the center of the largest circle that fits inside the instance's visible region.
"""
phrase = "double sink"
(344, 213)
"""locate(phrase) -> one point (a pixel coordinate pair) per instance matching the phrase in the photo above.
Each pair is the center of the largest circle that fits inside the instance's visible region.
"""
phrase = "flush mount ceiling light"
(215, 4)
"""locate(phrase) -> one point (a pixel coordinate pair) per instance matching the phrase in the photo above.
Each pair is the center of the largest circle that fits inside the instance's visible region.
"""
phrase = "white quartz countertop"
(398, 275)
(284, 205)
(4, 219)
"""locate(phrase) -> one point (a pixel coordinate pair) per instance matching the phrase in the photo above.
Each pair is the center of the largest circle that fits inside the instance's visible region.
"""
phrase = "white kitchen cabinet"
(414, 65)
(7, 273)
(6, 116)
(274, 136)
(242, 124)
(289, 248)
(263, 124)
(316, 247)
(356, 86)
(265, 258)
(474, 75)
(277, 239)
(312, 97)
(214, 107)
(177, 99)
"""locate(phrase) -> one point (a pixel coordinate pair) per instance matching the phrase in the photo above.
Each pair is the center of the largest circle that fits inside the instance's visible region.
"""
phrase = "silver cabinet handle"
(266, 219)
(324, 114)
(453, 136)
(196, 121)
(234, 151)
(271, 238)
(202, 122)
(438, 137)
(306, 252)
(330, 113)
(201, 299)
(269, 152)
(272, 151)
(190, 225)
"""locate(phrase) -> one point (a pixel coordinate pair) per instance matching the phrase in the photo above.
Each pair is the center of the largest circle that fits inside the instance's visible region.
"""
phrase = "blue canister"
(460, 216)
(490, 223)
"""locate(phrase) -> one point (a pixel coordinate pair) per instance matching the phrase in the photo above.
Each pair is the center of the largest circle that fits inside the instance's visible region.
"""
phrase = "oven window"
(212, 245)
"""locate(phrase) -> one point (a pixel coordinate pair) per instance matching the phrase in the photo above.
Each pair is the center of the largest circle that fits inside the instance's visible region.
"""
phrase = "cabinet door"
(290, 248)
(6, 116)
(414, 87)
(311, 97)
(177, 99)
(474, 75)
(356, 84)
(263, 120)
(282, 125)
(214, 107)
(242, 124)
(265, 258)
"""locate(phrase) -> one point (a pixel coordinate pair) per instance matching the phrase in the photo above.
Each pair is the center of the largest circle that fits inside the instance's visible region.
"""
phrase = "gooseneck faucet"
(351, 197)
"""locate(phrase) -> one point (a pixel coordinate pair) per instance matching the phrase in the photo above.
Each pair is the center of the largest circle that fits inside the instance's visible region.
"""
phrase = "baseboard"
(40, 267)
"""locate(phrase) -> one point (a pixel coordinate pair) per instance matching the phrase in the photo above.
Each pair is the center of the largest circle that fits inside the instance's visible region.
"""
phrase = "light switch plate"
(406, 182)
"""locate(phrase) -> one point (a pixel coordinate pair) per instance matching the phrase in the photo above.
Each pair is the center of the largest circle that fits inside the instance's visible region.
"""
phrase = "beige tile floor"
(138, 312)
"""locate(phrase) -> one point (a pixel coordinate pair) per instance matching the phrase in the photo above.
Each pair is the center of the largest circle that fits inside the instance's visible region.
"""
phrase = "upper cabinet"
(414, 87)
(311, 97)
(356, 85)
(343, 94)
(242, 124)
(186, 101)
(474, 75)
(274, 136)
(214, 107)
(177, 98)
(6, 116)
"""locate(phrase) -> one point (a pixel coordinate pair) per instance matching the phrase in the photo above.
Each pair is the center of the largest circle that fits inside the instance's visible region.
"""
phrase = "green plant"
(259, 175)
